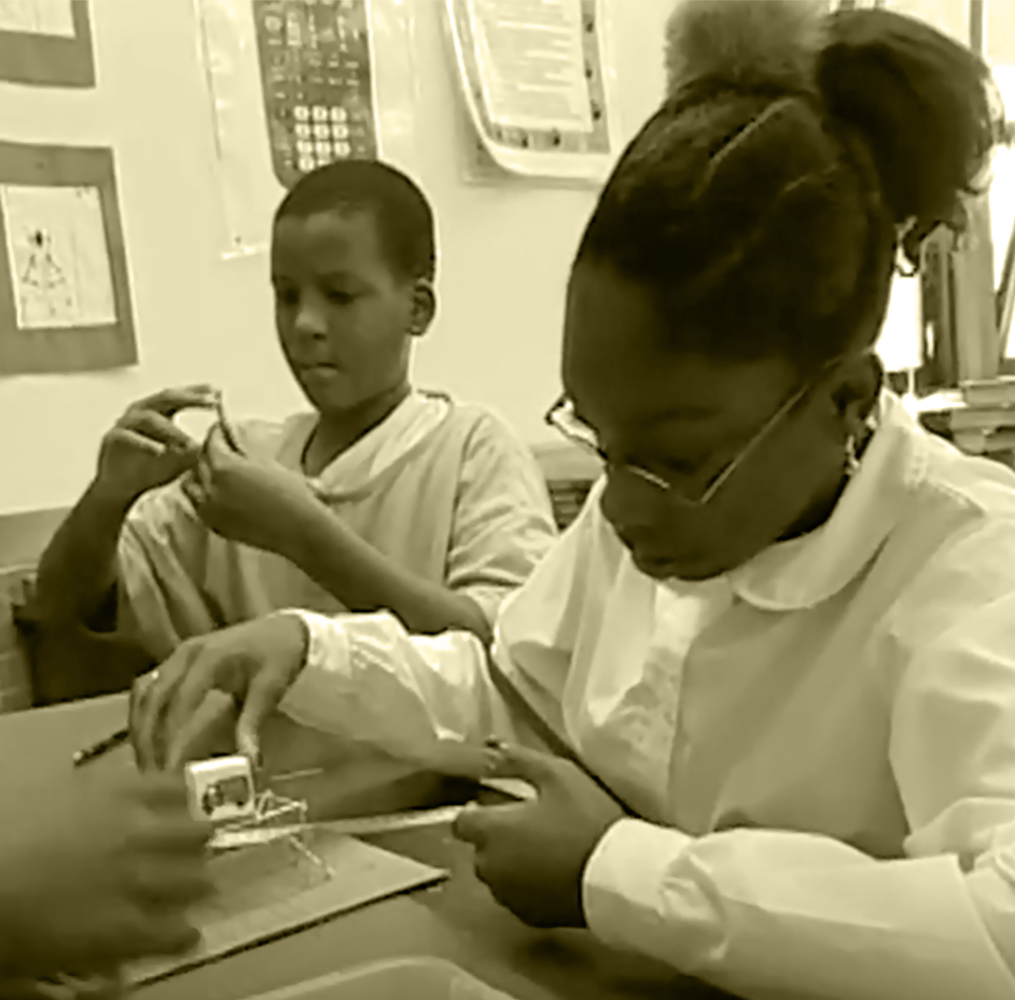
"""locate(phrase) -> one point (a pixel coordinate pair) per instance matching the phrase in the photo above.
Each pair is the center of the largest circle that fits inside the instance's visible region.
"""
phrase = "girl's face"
(342, 316)
(684, 418)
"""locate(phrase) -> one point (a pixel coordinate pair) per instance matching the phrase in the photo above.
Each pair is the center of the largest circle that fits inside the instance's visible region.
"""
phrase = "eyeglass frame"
(551, 418)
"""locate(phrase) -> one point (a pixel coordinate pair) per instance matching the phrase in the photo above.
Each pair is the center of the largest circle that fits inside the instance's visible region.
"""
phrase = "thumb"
(216, 451)
(537, 768)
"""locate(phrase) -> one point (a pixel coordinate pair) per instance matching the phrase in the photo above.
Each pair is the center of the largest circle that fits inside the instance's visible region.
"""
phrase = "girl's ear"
(424, 307)
(858, 390)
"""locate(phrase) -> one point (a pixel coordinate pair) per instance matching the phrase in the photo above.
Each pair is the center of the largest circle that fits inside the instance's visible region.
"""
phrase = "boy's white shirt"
(444, 489)
(417, 416)
(821, 743)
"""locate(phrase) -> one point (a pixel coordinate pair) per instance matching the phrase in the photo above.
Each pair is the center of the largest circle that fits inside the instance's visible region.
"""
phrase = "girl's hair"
(797, 152)
(400, 210)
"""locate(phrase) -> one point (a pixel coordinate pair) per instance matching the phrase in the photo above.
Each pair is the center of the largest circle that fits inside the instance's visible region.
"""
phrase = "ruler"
(364, 826)
(357, 826)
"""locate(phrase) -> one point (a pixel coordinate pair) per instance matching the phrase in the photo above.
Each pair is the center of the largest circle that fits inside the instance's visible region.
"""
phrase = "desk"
(457, 920)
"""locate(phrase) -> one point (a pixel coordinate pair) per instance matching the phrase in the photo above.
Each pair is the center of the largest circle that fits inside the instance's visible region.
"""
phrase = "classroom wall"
(504, 250)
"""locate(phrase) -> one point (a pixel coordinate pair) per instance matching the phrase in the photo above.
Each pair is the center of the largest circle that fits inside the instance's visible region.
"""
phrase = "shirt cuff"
(622, 888)
(313, 699)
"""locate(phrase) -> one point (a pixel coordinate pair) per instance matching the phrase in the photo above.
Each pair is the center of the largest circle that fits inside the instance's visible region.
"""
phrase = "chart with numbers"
(316, 67)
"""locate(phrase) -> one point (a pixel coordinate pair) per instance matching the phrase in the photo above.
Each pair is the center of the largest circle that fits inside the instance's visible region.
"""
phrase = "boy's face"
(342, 316)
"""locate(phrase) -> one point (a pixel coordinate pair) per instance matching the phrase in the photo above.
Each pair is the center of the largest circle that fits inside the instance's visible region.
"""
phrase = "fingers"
(155, 700)
(153, 930)
(134, 711)
(477, 825)
(139, 441)
(263, 696)
(174, 833)
(217, 449)
(131, 928)
(211, 669)
(287, 636)
(538, 769)
(194, 491)
(140, 708)
(173, 880)
(158, 428)
(159, 790)
(169, 402)
(228, 431)
(470, 826)
(209, 732)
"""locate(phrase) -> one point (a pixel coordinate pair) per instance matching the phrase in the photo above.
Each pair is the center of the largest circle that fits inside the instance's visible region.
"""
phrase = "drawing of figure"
(44, 274)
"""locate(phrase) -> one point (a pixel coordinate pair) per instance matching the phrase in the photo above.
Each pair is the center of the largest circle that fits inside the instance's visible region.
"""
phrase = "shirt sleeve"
(162, 560)
(768, 913)
(503, 520)
(365, 677)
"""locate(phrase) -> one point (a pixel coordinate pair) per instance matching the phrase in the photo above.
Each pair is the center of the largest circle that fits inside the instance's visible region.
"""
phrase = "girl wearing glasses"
(774, 659)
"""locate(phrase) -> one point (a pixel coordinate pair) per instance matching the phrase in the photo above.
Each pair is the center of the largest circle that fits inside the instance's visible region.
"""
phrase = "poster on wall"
(293, 85)
(46, 43)
(64, 292)
(534, 78)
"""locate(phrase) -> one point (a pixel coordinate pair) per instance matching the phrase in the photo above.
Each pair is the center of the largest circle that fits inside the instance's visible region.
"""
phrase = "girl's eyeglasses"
(563, 418)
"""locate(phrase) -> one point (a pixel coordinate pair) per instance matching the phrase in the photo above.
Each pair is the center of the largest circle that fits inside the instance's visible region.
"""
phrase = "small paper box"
(222, 789)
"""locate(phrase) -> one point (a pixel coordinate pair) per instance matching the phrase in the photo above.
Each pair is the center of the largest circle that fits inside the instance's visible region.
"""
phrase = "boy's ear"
(424, 307)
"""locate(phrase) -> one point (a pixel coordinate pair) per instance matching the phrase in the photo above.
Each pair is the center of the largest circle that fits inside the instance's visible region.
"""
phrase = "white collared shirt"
(446, 491)
(821, 743)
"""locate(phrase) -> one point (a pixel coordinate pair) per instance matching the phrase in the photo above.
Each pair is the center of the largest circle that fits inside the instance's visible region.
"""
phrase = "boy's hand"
(251, 501)
(532, 855)
(145, 448)
(96, 878)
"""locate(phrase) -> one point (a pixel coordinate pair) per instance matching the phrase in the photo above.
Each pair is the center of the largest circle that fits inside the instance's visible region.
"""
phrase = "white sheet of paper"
(37, 17)
(532, 63)
(59, 257)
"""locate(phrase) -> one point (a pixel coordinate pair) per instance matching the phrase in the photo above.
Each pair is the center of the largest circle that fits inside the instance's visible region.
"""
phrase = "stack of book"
(569, 472)
(979, 417)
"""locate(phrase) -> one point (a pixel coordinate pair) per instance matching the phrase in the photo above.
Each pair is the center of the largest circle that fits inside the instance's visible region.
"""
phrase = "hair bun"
(746, 44)
(927, 106)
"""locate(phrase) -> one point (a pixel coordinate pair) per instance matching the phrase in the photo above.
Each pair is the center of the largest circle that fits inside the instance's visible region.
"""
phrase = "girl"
(382, 497)
(778, 646)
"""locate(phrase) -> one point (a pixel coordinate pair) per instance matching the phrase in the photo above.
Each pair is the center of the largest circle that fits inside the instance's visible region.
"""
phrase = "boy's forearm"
(366, 580)
(78, 569)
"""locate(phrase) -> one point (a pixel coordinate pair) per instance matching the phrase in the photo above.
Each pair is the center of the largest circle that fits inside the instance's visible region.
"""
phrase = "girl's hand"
(532, 855)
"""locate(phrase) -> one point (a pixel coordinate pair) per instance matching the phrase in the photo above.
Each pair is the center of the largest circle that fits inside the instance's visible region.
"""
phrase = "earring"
(870, 423)
(852, 462)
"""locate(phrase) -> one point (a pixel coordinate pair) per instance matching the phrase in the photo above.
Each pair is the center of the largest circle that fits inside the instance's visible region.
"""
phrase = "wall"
(505, 251)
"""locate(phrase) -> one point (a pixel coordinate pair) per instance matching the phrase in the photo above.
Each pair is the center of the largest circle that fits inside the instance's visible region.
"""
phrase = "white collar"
(802, 572)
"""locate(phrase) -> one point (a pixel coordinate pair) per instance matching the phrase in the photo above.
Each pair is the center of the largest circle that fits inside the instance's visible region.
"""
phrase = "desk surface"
(457, 920)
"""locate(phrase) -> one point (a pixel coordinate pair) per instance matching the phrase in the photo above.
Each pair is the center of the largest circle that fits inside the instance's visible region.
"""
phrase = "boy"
(383, 498)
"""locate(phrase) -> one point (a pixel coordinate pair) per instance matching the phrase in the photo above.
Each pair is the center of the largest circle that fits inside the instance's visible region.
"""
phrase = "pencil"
(102, 747)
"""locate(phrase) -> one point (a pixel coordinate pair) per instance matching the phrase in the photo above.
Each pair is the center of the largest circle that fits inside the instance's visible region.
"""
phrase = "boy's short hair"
(400, 210)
